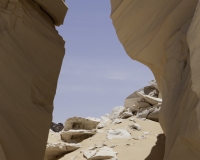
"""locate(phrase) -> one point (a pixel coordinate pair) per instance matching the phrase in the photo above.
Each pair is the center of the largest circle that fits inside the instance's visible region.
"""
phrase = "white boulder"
(118, 133)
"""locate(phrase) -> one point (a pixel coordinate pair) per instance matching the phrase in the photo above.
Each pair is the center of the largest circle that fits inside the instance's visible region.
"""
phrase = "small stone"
(146, 133)
(132, 119)
(135, 127)
(117, 121)
(113, 146)
(142, 137)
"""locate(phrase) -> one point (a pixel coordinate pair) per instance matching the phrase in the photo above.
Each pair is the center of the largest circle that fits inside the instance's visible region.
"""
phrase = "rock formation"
(76, 136)
(164, 35)
(119, 139)
(31, 54)
(57, 148)
(56, 127)
(77, 123)
(145, 103)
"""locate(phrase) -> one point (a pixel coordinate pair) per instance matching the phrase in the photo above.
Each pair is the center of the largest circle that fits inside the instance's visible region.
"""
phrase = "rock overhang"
(56, 9)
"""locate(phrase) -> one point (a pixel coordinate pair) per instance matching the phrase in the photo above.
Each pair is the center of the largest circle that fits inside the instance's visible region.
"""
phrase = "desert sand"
(127, 133)
(150, 148)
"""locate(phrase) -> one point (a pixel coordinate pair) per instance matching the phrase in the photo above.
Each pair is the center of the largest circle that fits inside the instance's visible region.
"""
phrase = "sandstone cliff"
(156, 34)
(31, 53)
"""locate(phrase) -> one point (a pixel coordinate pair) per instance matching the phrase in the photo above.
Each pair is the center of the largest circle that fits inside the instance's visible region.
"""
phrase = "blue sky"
(96, 74)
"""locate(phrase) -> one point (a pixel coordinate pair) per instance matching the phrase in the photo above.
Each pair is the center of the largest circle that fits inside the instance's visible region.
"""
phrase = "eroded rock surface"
(56, 150)
(145, 103)
(155, 33)
(77, 123)
(31, 54)
(101, 153)
(76, 136)
(118, 133)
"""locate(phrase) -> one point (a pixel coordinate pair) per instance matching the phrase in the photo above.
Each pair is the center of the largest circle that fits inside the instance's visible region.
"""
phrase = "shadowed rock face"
(77, 123)
(164, 35)
(31, 53)
(56, 127)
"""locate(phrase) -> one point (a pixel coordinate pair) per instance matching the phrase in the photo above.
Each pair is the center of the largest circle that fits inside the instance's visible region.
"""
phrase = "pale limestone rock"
(164, 44)
(117, 121)
(54, 150)
(131, 100)
(135, 126)
(154, 113)
(146, 133)
(150, 99)
(101, 125)
(143, 113)
(31, 54)
(151, 113)
(77, 123)
(142, 137)
(140, 104)
(103, 121)
(132, 119)
(76, 136)
(116, 112)
(100, 154)
(126, 115)
(105, 118)
(118, 133)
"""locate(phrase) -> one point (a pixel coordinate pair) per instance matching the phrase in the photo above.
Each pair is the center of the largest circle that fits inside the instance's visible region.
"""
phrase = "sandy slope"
(128, 149)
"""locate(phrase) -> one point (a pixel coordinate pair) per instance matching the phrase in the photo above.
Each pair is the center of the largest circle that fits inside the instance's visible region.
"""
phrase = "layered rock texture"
(119, 139)
(164, 35)
(31, 53)
(145, 103)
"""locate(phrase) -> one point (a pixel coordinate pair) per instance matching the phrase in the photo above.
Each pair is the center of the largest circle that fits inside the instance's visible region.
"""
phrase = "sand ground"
(150, 148)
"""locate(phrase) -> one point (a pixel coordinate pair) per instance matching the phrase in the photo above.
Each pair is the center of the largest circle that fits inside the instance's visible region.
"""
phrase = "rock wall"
(31, 53)
(156, 34)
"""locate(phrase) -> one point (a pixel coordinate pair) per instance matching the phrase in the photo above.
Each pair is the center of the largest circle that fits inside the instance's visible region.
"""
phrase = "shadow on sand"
(157, 152)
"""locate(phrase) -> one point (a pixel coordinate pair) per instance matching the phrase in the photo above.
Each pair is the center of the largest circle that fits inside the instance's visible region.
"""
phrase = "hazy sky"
(96, 74)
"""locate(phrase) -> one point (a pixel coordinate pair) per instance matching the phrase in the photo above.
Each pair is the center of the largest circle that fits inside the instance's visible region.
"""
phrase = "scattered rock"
(118, 133)
(101, 125)
(127, 145)
(146, 133)
(126, 115)
(135, 127)
(54, 150)
(142, 137)
(132, 119)
(116, 112)
(77, 123)
(76, 136)
(131, 100)
(117, 121)
(100, 154)
(99, 130)
(140, 104)
(143, 114)
(154, 115)
(149, 99)
(113, 146)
